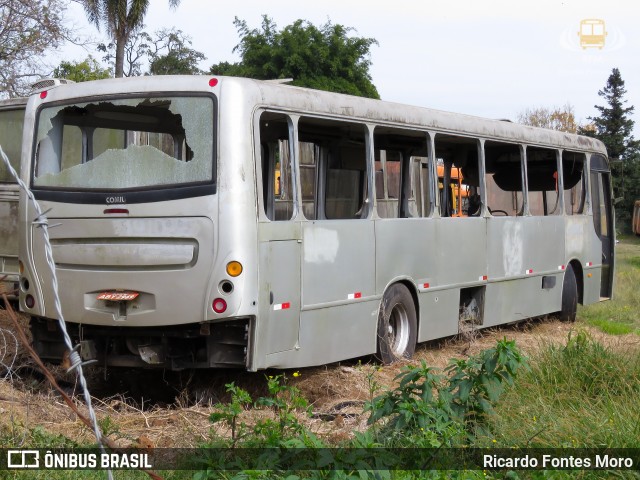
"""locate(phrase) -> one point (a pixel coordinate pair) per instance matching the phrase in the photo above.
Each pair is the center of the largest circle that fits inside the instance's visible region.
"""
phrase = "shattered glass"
(125, 144)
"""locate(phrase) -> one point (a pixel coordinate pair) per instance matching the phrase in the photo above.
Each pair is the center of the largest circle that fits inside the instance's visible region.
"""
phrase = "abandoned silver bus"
(226, 222)
(11, 123)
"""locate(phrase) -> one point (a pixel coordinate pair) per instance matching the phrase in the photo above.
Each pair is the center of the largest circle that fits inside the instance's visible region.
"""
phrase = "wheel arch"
(578, 272)
(411, 286)
(400, 291)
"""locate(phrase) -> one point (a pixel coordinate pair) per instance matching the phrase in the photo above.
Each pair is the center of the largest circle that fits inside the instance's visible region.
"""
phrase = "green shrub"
(429, 409)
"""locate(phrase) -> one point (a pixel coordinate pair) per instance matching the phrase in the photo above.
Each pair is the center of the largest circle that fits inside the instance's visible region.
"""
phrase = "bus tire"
(397, 325)
(569, 296)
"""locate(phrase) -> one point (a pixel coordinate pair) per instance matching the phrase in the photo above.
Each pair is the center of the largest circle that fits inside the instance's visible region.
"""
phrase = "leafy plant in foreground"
(430, 409)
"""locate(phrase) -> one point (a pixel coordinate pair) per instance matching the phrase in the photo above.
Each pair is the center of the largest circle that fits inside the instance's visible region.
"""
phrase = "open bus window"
(309, 160)
(277, 178)
(419, 203)
(388, 168)
(125, 144)
(503, 178)
(458, 170)
(542, 180)
(11, 122)
(573, 175)
(333, 169)
(399, 189)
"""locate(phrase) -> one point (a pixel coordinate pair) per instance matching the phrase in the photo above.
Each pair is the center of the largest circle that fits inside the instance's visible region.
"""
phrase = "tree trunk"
(120, 43)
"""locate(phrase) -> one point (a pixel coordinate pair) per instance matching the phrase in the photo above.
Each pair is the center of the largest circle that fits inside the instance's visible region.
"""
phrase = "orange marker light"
(234, 268)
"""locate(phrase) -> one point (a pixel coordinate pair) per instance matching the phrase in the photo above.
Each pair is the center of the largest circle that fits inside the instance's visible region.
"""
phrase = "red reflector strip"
(116, 210)
(425, 285)
(353, 296)
(483, 278)
(528, 272)
(282, 306)
(118, 296)
(589, 264)
(561, 267)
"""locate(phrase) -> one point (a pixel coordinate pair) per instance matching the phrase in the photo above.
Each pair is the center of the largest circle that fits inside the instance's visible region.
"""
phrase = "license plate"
(118, 296)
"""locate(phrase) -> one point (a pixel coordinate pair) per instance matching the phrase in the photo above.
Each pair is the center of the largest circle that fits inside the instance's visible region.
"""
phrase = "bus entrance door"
(603, 220)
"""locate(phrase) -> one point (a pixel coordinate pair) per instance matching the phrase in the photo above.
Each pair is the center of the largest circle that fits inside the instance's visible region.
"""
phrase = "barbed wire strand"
(74, 356)
(5, 353)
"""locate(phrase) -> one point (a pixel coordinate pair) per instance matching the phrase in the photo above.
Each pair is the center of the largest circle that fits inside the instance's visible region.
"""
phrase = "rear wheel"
(569, 296)
(397, 325)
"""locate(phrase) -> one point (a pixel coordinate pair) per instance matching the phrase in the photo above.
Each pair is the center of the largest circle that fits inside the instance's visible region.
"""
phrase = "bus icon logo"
(592, 33)
(23, 459)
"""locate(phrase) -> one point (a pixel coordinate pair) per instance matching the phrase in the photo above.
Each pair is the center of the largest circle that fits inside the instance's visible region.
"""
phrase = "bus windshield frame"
(151, 147)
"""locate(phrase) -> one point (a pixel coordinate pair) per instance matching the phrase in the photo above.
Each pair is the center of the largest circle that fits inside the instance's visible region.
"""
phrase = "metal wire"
(42, 222)
(8, 352)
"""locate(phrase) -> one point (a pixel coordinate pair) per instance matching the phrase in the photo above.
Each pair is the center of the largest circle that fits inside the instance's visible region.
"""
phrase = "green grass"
(622, 314)
(581, 394)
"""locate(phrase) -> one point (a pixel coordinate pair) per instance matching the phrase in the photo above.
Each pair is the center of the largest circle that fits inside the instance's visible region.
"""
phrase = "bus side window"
(12, 122)
(458, 169)
(573, 174)
(333, 169)
(402, 180)
(542, 180)
(277, 187)
(419, 202)
(503, 178)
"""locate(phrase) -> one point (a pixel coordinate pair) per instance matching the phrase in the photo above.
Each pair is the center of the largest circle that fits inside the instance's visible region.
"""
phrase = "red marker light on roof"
(213, 82)
(43, 95)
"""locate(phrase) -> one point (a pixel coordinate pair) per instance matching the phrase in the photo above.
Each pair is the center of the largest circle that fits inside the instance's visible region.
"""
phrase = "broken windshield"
(125, 144)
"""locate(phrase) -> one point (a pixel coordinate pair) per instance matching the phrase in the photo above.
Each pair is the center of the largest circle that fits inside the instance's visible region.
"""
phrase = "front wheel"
(569, 296)
(397, 325)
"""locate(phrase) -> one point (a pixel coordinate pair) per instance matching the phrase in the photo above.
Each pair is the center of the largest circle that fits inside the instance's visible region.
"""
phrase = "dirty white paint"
(575, 236)
(513, 248)
(321, 245)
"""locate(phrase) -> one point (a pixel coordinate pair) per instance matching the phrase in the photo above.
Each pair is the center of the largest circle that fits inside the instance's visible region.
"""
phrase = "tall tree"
(122, 18)
(556, 118)
(172, 54)
(613, 127)
(325, 57)
(166, 52)
(28, 28)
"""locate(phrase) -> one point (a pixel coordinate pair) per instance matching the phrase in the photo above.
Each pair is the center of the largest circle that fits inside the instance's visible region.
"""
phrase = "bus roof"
(13, 102)
(299, 99)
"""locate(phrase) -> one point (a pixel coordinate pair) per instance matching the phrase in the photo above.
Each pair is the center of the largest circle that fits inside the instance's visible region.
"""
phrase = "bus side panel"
(338, 262)
(332, 334)
(460, 251)
(438, 314)
(416, 260)
(521, 251)
(514, 300)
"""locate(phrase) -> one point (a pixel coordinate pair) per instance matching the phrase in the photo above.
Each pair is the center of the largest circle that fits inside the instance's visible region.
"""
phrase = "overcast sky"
(486, 58)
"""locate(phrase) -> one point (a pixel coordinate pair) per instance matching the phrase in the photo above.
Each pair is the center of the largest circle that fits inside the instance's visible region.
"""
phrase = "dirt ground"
(156, 409)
